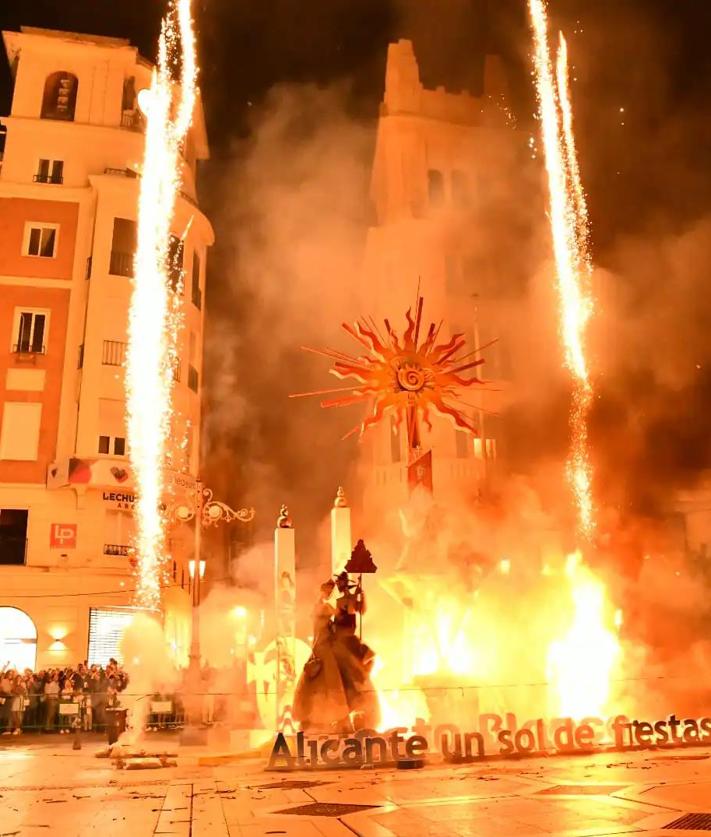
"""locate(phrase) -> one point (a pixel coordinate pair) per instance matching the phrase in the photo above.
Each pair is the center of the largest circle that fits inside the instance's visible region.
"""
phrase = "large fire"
(536, 644)
(581, 663)
(153, 324)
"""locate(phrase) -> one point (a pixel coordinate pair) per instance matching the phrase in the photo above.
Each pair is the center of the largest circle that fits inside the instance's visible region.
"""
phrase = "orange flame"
(581, 663)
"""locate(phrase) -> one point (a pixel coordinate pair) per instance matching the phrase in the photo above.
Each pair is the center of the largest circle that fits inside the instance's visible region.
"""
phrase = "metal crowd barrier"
(86, 711)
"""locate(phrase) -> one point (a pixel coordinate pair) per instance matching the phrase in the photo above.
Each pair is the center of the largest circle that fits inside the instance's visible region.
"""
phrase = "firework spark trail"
(568, 217)
(152, 326)
(566, 110)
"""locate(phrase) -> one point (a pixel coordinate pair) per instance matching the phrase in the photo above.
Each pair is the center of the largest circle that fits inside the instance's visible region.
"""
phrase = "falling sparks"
(569, 227)
(152, 324)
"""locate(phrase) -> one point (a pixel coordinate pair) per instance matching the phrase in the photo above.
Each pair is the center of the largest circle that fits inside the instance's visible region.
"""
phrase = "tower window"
(60, 96)
(435, 187)
(462, 444)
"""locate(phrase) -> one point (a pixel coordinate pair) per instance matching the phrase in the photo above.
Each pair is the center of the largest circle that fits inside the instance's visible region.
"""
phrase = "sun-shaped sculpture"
(403, 376)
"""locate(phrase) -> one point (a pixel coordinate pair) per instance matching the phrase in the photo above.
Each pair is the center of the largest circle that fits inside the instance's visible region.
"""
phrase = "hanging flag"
(419, 472)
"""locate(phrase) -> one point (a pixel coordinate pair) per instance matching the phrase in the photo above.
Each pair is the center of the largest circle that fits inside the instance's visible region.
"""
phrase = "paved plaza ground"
(47, 788)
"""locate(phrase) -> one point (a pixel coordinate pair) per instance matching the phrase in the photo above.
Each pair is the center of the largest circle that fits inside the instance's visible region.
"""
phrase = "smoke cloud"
(292, 224)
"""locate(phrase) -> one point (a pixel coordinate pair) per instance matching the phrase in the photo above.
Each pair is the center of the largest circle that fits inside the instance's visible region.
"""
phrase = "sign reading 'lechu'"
(497, 737)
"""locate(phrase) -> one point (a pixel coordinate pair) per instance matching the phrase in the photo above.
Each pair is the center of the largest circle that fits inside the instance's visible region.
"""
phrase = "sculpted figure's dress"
(354, 658)
(320, 703)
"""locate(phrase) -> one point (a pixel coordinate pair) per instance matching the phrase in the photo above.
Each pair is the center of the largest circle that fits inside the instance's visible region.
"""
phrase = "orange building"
(69, 187)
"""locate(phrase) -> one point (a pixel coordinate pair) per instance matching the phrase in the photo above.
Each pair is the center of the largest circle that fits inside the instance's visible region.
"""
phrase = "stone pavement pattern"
(46, 788)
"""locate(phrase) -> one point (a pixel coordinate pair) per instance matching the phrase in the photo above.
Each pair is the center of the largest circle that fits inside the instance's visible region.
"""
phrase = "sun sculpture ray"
(404, 376)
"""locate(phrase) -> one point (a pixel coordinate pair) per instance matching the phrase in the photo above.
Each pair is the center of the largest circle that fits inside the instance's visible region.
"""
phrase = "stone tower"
(438, 163)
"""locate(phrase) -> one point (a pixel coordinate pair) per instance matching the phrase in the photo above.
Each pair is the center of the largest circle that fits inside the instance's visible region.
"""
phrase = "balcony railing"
(48, 178)
(113, 353)
(121, 172)
(132, 119)
(176, 370)
(193, 378)
(121, 264)
(27, 348)
(119, 550)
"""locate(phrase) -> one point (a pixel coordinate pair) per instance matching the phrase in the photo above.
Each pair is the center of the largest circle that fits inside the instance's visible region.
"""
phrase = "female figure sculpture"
(334, 691)
(320, 703)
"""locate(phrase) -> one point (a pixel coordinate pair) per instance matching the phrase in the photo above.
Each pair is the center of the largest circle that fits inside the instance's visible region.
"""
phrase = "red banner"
(419, 472)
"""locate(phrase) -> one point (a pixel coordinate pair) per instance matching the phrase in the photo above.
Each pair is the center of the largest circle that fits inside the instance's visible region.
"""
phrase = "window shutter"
(38, 333)
(49, 236)
(34, 244)
(25, 332)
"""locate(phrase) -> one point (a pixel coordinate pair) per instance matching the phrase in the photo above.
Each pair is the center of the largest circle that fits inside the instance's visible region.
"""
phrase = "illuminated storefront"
(18, 639)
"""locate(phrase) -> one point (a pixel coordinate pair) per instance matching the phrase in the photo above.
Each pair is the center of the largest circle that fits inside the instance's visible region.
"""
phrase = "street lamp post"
(205, 511)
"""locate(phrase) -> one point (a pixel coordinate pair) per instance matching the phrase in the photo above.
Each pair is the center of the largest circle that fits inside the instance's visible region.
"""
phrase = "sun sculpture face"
(404, 376)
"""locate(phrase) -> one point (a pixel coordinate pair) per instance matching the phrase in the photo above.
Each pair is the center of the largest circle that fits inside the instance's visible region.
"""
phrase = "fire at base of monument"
(481, 612)
(477, 615)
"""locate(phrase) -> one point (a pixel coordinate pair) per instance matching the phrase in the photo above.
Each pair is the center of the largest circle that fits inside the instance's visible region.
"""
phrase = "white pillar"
(340, 532)
(285, 617)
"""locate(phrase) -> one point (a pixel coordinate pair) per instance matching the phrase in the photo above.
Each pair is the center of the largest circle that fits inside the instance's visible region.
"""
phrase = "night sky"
(650, 56)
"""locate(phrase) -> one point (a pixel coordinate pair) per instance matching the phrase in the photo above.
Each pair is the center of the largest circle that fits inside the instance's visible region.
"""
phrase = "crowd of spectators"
(89, 697)
(56, 699)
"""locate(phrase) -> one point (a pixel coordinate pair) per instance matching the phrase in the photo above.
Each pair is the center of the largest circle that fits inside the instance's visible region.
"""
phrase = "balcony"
(176, 370)
(121, 264)
(133, 120)
(113, 353)
(26, 352)
(117, 550)
(48, 178)
(121, 172)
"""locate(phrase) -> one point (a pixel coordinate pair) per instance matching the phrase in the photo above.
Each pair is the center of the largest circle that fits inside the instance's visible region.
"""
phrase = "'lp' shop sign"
(63, 536)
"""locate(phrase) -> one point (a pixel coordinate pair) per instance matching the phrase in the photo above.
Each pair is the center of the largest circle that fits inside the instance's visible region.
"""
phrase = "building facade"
(69, 187)
(436, 191)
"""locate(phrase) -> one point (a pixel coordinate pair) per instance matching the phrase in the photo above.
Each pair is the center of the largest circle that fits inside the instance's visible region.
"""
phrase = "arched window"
(60, 96)
(18, 639)
(435, 187)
